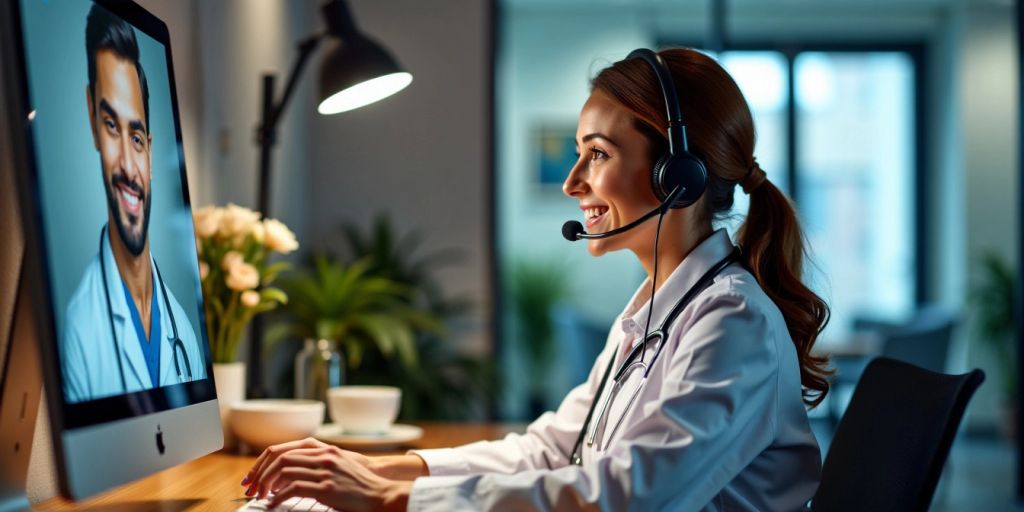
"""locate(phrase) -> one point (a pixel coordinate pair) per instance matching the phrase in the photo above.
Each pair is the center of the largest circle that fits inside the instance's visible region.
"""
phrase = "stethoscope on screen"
(177, 346)
(634, 361)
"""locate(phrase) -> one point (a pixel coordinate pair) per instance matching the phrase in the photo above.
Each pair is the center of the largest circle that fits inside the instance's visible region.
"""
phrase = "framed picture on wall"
(554, 154)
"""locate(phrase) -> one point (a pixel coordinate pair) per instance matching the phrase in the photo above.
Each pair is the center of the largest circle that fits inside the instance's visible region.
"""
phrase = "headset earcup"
(658, 177)
(685, 170)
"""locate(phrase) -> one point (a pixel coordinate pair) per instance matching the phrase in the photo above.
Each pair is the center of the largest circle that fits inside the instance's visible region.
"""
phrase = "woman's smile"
(592, 214)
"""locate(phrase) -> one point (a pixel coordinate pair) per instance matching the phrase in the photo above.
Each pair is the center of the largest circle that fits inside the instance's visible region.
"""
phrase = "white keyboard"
(291, 505)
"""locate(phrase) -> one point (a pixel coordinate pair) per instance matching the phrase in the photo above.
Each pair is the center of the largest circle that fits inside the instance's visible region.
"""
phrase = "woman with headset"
(698, 400)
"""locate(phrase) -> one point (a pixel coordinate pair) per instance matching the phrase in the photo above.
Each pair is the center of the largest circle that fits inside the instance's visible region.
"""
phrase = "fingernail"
(245, 480)
(248, 492)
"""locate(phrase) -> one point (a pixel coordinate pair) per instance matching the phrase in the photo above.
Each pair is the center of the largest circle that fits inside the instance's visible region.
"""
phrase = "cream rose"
(204, 270)
(258, 232)
(237, 221)
(278, 237)
(250, 299)
(231, 259)
(207, 221)
(242, 276)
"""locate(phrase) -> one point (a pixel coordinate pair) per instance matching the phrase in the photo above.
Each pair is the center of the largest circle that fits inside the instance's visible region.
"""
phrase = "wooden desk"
(212, 482)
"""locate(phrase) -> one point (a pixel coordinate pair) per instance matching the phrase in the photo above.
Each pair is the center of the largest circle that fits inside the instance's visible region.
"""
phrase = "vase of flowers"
(235, 246)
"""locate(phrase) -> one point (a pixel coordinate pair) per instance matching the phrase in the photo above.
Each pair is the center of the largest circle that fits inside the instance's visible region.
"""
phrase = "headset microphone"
(573, 230)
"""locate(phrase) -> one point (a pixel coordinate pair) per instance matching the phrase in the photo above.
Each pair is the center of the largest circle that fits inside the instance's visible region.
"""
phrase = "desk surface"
(212, 482)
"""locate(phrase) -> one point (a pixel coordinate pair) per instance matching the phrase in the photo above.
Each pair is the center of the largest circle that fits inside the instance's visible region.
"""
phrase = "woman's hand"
(334, 477)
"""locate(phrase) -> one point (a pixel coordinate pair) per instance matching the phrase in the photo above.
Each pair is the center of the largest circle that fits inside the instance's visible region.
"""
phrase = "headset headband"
(676, 128)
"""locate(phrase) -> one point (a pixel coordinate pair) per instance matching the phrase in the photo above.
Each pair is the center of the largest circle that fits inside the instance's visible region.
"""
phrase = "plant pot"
(229, 380)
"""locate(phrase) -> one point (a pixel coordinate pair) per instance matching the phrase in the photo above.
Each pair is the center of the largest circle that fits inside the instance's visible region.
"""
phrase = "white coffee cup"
(364, 409)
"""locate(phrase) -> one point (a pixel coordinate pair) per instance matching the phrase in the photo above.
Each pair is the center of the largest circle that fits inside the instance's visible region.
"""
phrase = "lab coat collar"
(686, 274)
(126, 338)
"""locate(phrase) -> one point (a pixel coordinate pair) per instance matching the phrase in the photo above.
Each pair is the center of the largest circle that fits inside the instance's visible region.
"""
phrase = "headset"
(678, 167)
(678, 177)
(177, 346)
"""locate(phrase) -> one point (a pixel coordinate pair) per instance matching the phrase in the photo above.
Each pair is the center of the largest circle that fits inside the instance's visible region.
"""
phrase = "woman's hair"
(720, 131)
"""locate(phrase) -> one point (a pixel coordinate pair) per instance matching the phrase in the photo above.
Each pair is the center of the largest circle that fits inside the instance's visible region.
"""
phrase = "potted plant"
(347, 309)
(993, 304)
(447, 383)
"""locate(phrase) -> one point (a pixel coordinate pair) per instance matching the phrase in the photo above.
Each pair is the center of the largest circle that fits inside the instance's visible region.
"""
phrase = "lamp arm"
(306, 48)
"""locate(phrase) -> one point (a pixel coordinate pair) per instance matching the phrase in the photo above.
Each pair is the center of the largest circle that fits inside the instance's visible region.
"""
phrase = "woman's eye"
(597, 154)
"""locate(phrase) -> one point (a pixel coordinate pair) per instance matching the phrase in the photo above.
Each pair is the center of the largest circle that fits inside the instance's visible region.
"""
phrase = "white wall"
(420, 155)
(240, 40)
(987, 95)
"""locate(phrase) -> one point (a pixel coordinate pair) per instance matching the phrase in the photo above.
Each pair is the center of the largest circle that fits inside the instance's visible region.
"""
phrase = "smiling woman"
(704, 411)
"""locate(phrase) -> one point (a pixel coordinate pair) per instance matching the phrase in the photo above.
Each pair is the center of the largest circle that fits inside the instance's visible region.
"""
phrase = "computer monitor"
(108, 277)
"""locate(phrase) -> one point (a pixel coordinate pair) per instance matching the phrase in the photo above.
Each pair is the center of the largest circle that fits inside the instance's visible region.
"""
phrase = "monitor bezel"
(66, 416)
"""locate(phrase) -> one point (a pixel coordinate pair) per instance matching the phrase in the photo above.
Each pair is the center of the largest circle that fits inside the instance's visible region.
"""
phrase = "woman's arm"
(547, 443)
(399, 467)
(716, 412)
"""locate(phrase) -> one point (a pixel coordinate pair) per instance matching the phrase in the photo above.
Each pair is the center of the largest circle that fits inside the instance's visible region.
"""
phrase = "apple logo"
(160, 440)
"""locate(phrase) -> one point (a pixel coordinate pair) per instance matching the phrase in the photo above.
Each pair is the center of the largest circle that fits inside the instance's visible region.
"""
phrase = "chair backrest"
(922, 340)
(926, 347)
(891, 444)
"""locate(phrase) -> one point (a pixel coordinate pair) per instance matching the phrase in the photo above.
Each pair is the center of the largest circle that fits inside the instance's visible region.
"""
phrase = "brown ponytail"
(773, 245)
(721, 132)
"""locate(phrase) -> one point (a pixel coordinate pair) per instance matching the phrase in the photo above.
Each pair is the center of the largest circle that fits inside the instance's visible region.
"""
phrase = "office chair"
(923, 340)
(889, 449)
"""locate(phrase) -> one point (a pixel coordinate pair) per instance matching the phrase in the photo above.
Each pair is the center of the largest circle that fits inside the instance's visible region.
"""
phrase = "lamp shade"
(357, 71)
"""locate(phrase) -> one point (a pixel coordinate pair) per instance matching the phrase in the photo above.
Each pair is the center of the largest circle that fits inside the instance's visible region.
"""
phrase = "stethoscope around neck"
(635, 362)
(176, 344)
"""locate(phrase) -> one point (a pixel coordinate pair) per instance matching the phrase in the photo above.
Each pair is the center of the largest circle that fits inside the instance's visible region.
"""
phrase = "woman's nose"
(575, 184)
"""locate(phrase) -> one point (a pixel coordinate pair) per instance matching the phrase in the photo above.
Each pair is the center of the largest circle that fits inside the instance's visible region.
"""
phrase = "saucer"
(396, 435)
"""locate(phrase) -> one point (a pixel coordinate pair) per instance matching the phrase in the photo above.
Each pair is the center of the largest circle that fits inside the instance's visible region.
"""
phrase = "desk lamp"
(356, 71)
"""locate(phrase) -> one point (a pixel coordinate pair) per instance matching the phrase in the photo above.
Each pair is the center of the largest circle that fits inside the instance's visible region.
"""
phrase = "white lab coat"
(89, 361)
(719, 425)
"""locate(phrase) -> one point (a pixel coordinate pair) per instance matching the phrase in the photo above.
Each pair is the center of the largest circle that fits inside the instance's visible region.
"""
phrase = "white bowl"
(364, 409)
(261, 423)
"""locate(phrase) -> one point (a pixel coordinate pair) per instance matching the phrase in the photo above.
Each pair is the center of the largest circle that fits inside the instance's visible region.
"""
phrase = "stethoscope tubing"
(636, 353)
(176, 344)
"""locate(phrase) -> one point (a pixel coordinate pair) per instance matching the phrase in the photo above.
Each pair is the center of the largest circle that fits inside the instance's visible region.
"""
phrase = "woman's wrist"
(399, 467)
(396, 498)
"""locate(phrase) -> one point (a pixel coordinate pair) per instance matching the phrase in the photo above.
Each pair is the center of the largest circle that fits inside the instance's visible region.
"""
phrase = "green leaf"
(273, 294)
(270, 273)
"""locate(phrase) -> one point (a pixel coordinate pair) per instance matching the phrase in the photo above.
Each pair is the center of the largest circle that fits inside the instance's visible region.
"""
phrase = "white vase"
(229, 379)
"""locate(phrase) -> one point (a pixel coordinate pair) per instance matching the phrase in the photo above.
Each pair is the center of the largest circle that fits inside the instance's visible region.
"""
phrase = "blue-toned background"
(74, 204)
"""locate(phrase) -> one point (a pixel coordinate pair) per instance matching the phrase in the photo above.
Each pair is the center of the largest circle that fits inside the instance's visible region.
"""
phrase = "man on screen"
(124, 331)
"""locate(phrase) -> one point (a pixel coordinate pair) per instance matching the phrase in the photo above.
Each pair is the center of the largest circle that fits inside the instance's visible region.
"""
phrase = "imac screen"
(112, 202)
